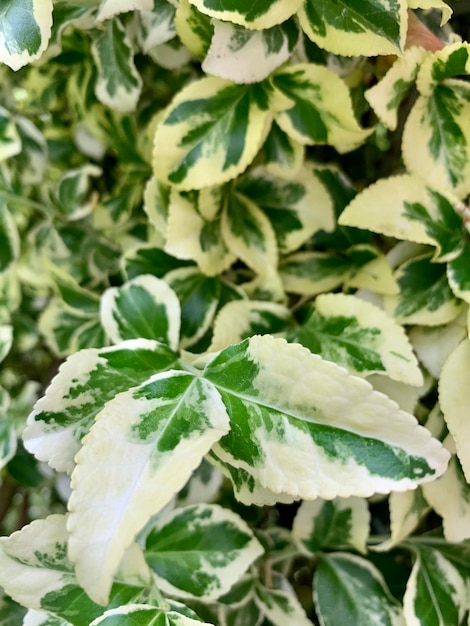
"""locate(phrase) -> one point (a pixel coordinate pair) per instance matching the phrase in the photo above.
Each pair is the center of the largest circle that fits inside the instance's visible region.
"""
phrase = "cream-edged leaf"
(156, 199)
(335, 524)
(360, 336)
(145, 615)
(259, 15)
(435, 593)
(9, 239)
(432, 4)
(407, 510)
(234, 47)
(387, 95)
(220, 549)
(157, 25)
(10, 139)
(280, 606)
(310, 273)
(72, 193)
(25, 29)
(369, 269)
(240, 319)
(321, 111)
(41, 618)
(118, 83)
(346, 28)
(195, 29)
(455, 400)
(8, 436)
(110, 8)
(6, 340)
(210, 133)
(349, 439)
(283, 156)
(195, 234)
(144, 444)
(349, 589)
(85, 382)
(458, 273)
(144, 307)
(449, 62)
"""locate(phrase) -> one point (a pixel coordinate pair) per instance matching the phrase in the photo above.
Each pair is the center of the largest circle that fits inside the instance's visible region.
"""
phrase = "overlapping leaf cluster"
(234, 284)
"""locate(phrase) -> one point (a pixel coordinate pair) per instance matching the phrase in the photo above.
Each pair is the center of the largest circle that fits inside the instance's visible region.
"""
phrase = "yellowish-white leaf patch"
(432, 4)
(258, 16)
(156, 208)
(110, 8)
(407, 510)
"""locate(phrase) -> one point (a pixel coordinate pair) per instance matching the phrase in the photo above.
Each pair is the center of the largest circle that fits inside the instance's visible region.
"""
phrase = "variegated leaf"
(202, 487)
(6, 340)
(10, 140)
(25, 29)
(350, 590)
(360, 336)
(449, 496)
(145, 615)
(336, 524)
(435, 593)
(148, 259)
(9, 239)
(194, 233)
(35, 570)
(458, 273)
(259, 15)
(72, 194)
(146, 307)
(321, 111)
(369, 269)
(8, 437)
(283, 156)
(405, 208)
(200, 551)
(156, 200)
(34, 154)
(172, 55)
(144, 444)
(240, 319)
(110, 8)
(432, 4)
(297, 208)
(11, 612)
(199, 297)
(407, 510)
(41, 618)
(157, 25)
(386, 97)
(210, 133)
(449, 62)
(310, 273)
(374, 27)
(454, 399)
(349, 439)
(79, 391)
(195, 29)
(425, 296)
(281, 607)
(119, 83)
(234, 47)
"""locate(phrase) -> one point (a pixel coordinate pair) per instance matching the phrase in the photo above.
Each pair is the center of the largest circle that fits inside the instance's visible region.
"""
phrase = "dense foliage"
(234, 288)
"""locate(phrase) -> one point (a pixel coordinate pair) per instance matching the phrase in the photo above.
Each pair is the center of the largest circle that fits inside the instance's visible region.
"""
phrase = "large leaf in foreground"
(79, 391)
(145, 615)
(348, 439)
(200, 551)
(255, 15)
(144, 446)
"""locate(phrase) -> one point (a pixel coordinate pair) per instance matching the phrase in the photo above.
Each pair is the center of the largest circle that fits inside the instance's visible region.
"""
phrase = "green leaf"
(32, 161)
(297, 208)
(156, 198)
(283, 156)
(435, 594)
(78, 392)
(458, 273)
(281, 397)
(349, 589)
(280, 607)
(36, 572)
(454, 400)
(11, 612)
(425, 296)
(195, 29)
(10, 139)
(407, 510)
(259, 15)
(194, 229)
(200, 551)
(148, 259)
(72, 193)
(119, 83)
(234, 47)
(240, 319)
(351, 28)
(9, 240)
(146, 442)
(210, 133)
(199, 297)
(145, 615)
(110, 8)
(321, 111)
(405, 208)
(6, 340)
(450, 62)
(145, 307)
(310, 273)
(8, 438)
(25, 28)
(156, 26)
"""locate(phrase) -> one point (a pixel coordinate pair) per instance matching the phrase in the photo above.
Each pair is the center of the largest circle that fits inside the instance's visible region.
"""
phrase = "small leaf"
(210, 133)
(458, 273)
(310, 273)
(407, 510)
(360, 336)
(25, 28)
(156, 25)
(283, 156)
(435, 594)
(9, 240)
(200, 551)
(260, 15)
(145, 615)
(110, 8)
(337, 524)
(6, 340)
(195, 29)
(78, 392)
(322, 110)
(144, 307)
(233, 49)
(348, 28)
(280, 607)
(146, 443)
(148, 259)
(349, 589)
(118, 84)
(72, 193)
(8, 438)
(10, 139)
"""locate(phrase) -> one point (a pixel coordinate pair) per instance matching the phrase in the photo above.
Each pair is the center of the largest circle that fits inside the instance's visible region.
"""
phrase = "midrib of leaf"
(430, 587)
(360, 20)
(342, 341)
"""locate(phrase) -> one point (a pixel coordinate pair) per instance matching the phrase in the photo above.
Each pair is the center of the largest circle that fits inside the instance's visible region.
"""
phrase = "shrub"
(234, 277)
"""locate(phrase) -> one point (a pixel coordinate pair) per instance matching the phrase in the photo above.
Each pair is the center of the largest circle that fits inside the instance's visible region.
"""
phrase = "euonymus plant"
(234, 288)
